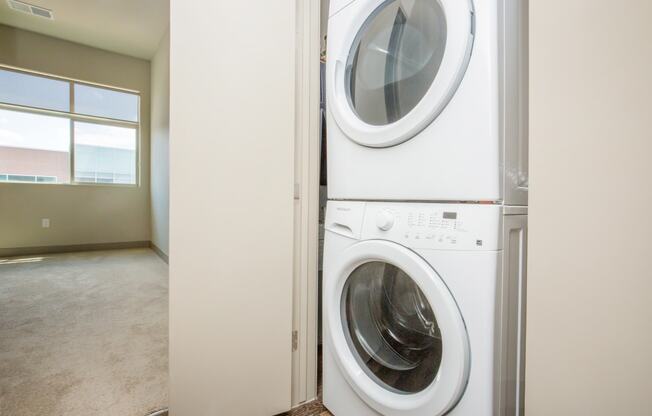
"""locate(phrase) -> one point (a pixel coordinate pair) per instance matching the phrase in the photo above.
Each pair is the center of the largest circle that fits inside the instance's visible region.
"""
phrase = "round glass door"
(394, 329)
(395, 59)
(394, 65)
(391, 328)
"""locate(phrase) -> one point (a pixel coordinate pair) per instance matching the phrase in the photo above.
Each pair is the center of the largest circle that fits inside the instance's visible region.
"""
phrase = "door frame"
(306, 203)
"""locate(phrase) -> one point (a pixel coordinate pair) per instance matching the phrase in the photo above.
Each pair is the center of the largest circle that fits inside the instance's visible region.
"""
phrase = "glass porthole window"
(391, 328)
(395, 59)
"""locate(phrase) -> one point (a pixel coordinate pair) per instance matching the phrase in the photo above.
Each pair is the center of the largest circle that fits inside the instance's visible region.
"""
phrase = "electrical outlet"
(45, 222)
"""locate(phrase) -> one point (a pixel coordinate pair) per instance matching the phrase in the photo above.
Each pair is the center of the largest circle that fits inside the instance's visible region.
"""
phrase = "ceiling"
(130, 27)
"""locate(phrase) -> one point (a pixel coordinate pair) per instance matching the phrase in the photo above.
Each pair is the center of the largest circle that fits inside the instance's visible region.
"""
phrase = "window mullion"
(65, 114)
(72, 133)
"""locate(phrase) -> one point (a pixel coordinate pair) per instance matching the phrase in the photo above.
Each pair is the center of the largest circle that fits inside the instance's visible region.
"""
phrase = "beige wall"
(160, 166)
(79, 214)
(231, 206)
(590, 268)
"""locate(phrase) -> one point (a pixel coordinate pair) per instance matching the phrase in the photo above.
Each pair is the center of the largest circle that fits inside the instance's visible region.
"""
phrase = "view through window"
(55, 130)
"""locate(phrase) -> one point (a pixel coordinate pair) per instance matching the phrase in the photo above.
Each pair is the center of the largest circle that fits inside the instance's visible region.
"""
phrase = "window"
(33, 145)
(54, 130)
(102, 102)
(28, 90)
(28, 178)
(104, 154)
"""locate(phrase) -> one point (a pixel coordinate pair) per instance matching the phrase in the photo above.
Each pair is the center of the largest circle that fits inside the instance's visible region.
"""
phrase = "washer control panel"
(436, 226)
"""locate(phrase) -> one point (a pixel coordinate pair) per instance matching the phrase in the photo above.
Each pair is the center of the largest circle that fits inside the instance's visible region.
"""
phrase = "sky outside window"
(34, 91)
(34, 147)
(34, 131)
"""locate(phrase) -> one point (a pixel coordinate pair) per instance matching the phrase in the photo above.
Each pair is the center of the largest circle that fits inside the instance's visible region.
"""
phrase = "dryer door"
(397, 333)
(402, 62)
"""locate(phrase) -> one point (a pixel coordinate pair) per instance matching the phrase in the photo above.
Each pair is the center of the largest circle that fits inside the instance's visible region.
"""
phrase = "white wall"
(160, 166)
(79, 214)
(231, 206)
(590, 267)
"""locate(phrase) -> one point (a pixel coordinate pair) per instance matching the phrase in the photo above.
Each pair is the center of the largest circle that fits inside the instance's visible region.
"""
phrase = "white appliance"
(422, 308)
(427, 100)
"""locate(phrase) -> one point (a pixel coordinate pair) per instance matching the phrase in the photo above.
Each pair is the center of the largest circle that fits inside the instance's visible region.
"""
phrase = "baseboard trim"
(28, 251)
(159, 252)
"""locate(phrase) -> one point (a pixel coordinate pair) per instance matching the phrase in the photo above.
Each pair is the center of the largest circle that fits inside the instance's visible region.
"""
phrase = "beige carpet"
(84, 334)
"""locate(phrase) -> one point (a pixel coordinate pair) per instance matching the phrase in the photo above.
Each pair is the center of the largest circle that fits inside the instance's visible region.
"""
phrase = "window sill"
(74, 184)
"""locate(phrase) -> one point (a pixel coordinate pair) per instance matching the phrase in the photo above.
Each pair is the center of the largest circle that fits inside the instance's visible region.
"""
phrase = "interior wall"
(590, 268)
(232, 136)
(160, 146)
(79, 214)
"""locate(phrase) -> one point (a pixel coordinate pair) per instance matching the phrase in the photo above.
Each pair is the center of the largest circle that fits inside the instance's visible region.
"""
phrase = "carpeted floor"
(84, 334)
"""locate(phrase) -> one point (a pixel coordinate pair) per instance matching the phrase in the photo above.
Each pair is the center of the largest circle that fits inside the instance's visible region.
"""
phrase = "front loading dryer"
(427, 100)
(423, 309)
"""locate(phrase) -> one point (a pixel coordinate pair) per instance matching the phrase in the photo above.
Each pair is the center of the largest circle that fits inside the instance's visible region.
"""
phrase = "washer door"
(405, 60)
(397, 333)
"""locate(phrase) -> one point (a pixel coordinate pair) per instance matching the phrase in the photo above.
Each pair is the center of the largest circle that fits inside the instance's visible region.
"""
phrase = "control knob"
(385, 220)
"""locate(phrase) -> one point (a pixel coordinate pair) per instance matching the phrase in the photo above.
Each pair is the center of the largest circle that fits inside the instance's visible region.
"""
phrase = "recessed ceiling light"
(30, 9)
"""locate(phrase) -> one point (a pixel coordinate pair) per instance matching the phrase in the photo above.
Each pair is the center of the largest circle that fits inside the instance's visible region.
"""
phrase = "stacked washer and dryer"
(425, 245)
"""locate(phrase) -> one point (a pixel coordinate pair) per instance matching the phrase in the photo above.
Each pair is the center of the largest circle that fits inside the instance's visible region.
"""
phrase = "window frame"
(73, 117)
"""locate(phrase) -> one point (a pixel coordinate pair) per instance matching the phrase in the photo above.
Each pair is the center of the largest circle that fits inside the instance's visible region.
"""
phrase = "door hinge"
(295, 340)
(297, 191)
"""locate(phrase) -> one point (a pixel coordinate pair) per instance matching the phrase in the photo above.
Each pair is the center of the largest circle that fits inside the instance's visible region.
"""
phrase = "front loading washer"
(423, 309)
(427, 100)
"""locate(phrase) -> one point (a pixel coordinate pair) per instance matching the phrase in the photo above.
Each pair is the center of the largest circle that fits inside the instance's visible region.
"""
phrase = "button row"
(430, 236)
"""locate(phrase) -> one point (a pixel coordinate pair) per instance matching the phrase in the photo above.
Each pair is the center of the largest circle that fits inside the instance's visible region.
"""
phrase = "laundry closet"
(423, 206)
(427, 207)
